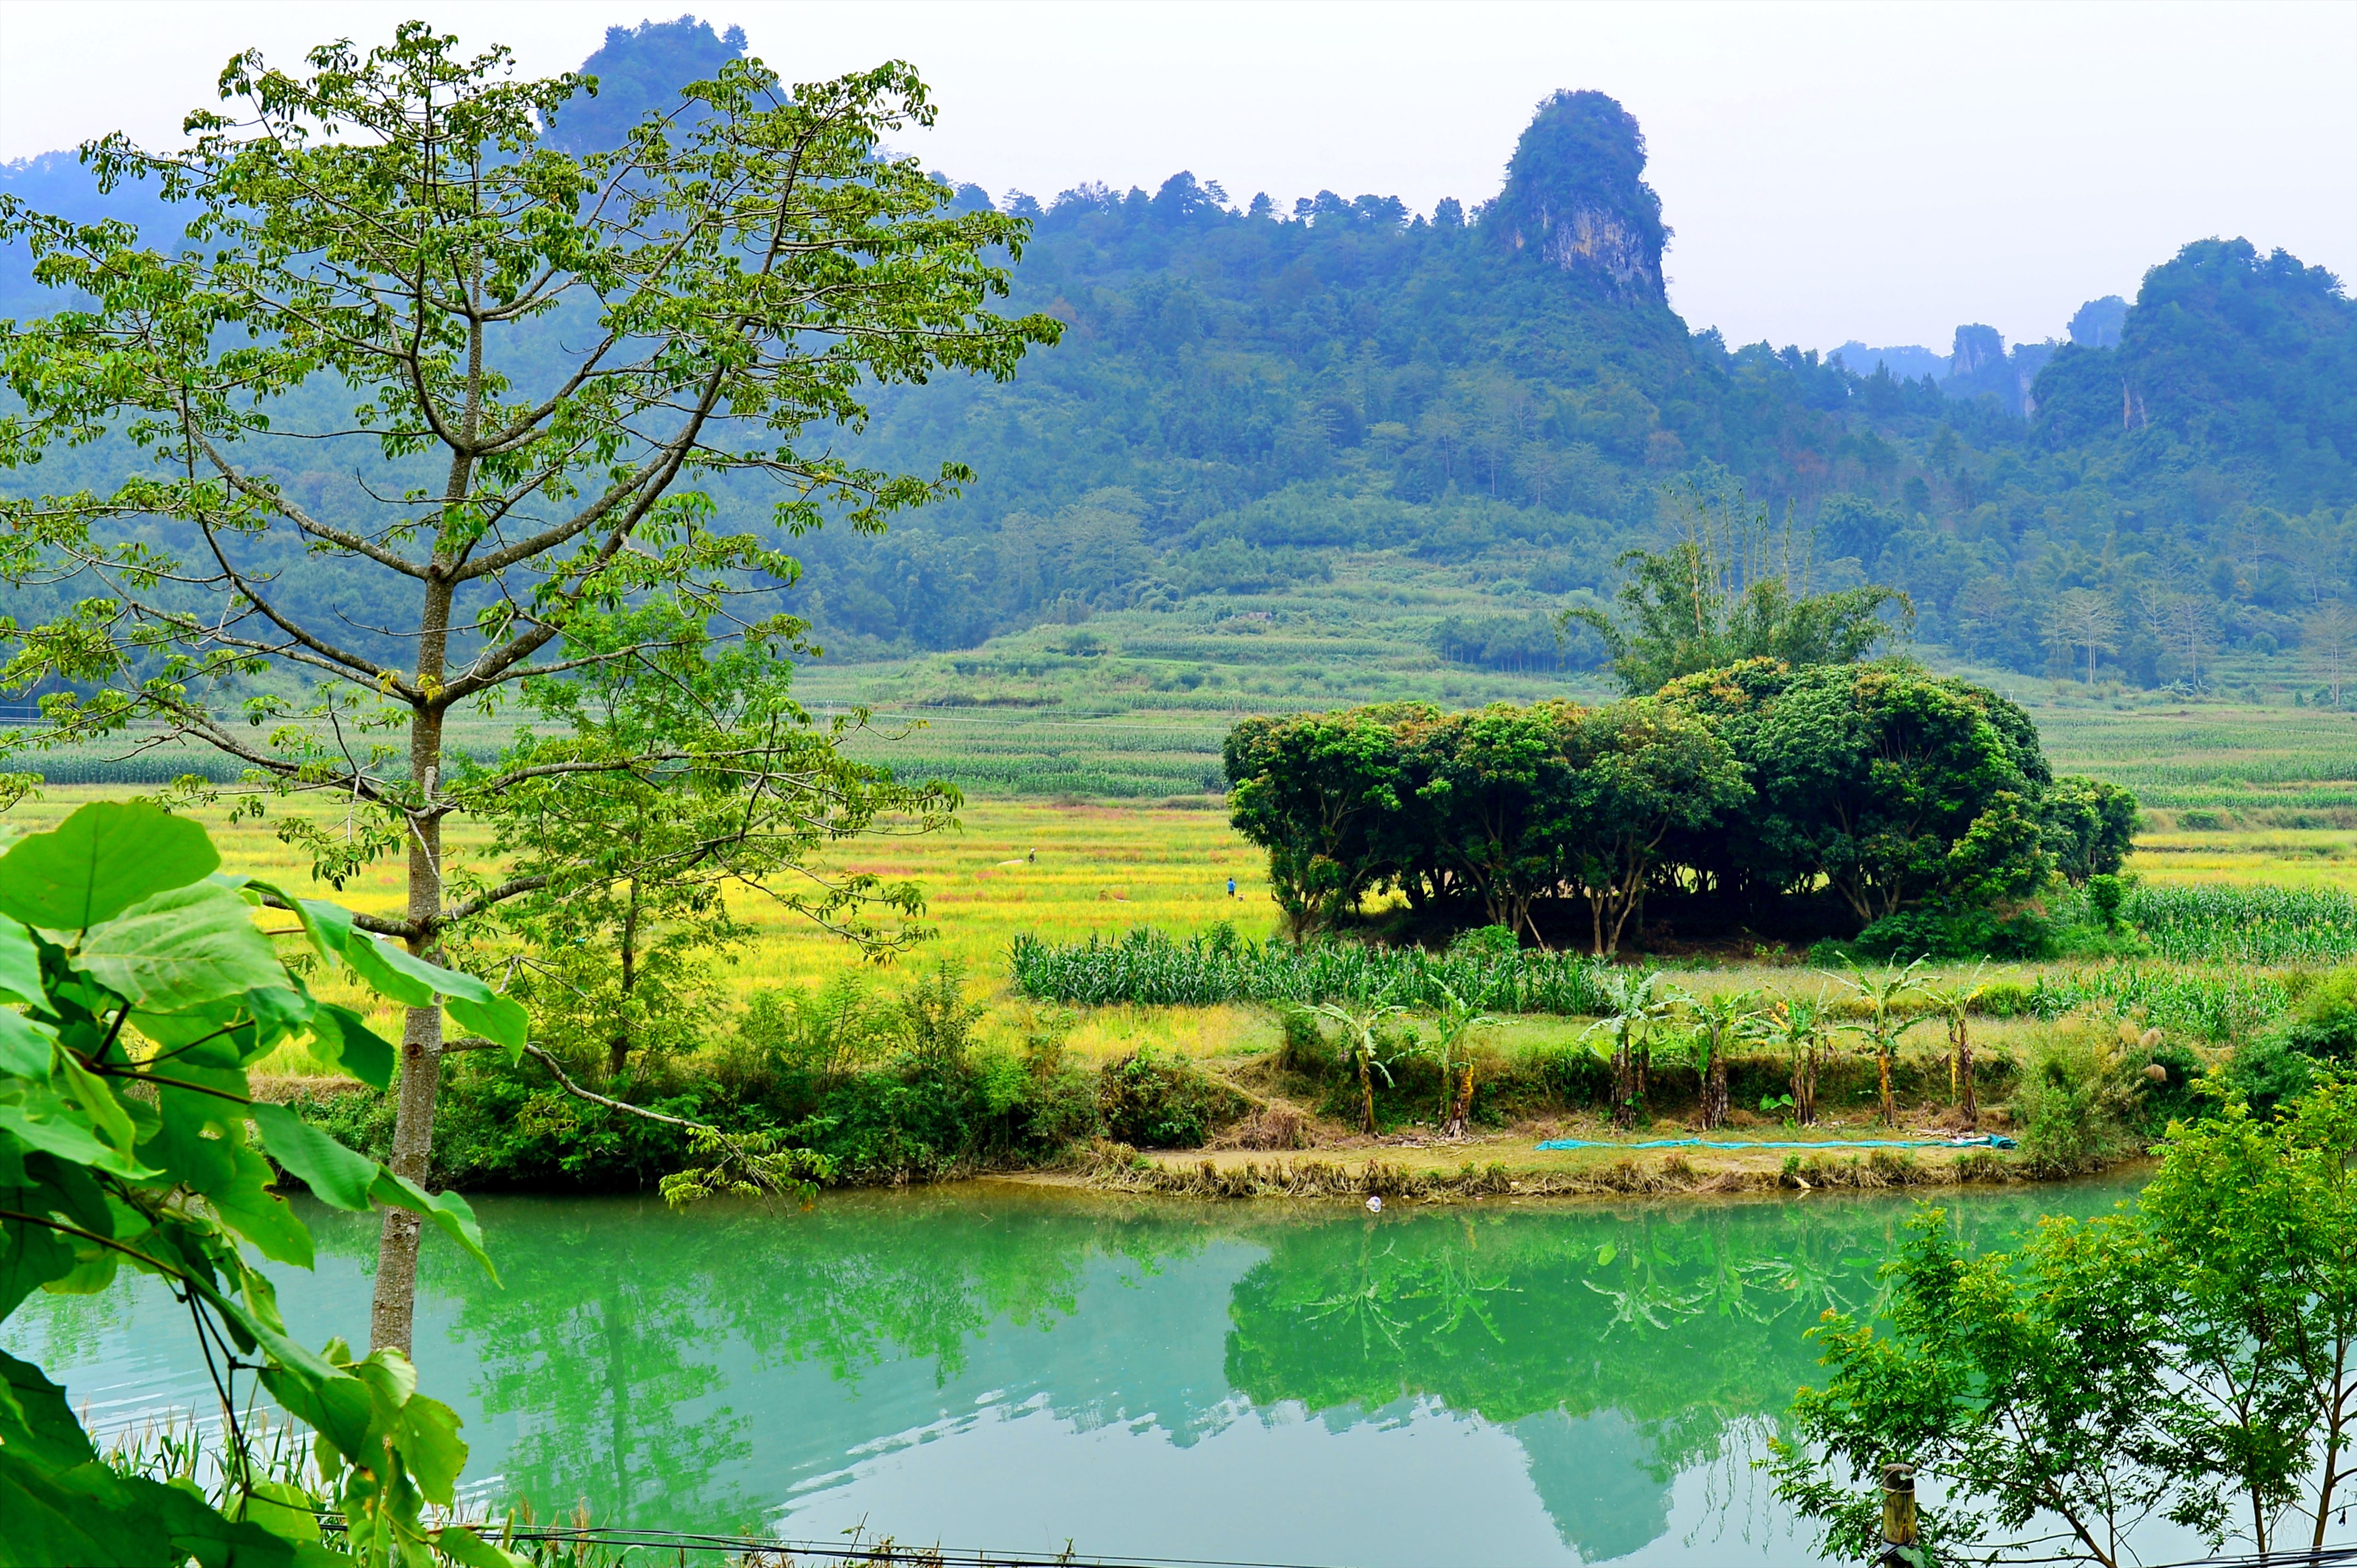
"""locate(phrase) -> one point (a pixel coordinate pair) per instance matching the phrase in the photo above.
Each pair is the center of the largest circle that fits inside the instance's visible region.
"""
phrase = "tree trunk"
(1624, 1087)
(1967, 1097)
(1804, 1086)
(1882, 1068)
(1713, 1092)
(1367, 1092)
(395, 1301)
(617, 1049)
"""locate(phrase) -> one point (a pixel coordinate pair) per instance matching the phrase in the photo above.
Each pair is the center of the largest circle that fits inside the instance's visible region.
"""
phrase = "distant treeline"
(1879, 789)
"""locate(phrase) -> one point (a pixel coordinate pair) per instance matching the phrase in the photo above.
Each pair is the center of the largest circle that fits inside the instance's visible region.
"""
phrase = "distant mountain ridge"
(1249, 403)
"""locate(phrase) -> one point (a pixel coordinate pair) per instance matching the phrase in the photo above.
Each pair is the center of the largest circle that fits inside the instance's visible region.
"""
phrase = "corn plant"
(2245, 924)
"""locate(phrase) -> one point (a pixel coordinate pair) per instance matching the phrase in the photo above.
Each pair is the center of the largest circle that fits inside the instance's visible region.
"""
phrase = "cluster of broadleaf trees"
(1775, 797)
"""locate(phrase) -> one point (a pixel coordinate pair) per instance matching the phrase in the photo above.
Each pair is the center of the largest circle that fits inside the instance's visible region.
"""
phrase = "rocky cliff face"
(1575, 198)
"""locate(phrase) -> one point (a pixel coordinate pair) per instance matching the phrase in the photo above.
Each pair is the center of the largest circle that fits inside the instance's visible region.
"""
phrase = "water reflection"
(1536, 1384)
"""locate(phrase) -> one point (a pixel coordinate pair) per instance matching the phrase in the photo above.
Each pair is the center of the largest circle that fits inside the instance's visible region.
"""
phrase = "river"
(990, 1365)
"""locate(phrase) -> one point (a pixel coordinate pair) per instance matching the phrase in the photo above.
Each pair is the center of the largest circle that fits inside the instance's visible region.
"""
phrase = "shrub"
(1152, 1102)
(2324, 1023)
(1960, 933)
(2074, 1104)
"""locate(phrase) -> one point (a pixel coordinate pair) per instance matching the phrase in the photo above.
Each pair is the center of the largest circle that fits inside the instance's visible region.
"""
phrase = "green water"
(1494, 1384)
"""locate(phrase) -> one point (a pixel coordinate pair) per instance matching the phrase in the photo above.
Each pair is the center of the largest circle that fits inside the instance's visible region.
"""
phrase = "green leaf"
(401, 976)
(98, 862)
(467, 1549)
(501, 1020)
(247, 1206)
(20, 962)
(426, 1433)
(181, 949)
(342, 1037)
(447, 1211)
(335, 1175)
(283, 1510)
(75, 1118)
(35, 1422)
(26, 1049)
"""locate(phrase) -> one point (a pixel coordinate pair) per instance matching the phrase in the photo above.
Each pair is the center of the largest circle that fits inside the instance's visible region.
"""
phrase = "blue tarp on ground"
(1985, 1141)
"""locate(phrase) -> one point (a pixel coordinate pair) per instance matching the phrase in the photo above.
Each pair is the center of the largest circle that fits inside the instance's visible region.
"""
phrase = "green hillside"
(1283, 458)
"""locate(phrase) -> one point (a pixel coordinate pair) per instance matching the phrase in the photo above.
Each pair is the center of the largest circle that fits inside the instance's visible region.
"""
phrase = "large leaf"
(26, 1048)
(56, 1118)
(335, 1175)
(400, 975)
(181, 949)
(501, 1020)
(340, 1036)
(98, 862)
(20, 962)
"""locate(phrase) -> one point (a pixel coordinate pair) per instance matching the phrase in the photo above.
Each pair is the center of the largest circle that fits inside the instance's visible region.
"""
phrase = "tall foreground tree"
(485, 381)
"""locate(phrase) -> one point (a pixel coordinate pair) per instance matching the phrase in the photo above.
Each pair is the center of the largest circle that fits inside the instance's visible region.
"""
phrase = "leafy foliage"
(2187, 1358)
(1893, 788)
(140, 990)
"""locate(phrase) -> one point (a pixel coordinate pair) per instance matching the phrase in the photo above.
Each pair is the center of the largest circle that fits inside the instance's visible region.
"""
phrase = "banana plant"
(1953, 1002)
(1362, 1045)
(1716, 1024)
(1883, 1027)
(136, 992)
(1639, 1002)
(1797, 1025)
(1451, 1030)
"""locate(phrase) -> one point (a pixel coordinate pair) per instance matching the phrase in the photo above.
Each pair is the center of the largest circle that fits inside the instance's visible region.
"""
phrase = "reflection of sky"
(1113, 1425)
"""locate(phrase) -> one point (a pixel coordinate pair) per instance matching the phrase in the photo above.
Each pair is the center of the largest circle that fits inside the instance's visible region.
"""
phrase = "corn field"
(2221, 1005)
(2245, 924)
(1151, 967)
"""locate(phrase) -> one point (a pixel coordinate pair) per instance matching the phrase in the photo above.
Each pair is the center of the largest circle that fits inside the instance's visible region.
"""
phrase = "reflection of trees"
(1624, 1345)
(623, 1326)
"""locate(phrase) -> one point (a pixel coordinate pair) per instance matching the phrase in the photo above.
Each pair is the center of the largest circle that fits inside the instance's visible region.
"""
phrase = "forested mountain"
(1248, 396)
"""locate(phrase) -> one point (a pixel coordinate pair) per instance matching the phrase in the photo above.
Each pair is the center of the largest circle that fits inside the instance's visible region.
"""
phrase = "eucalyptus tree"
(488, 387)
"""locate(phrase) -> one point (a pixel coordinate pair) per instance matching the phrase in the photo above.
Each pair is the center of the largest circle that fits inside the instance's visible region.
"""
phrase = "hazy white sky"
(1833, 171)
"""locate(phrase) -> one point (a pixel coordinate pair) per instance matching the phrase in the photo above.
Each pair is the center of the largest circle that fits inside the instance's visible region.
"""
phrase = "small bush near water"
(1150, 968)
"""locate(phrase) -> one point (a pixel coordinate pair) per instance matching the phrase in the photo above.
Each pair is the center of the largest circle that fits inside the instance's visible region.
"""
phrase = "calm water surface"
(1533, 1384)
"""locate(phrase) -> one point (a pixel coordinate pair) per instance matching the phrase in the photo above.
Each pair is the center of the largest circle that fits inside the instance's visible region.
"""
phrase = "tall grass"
(1150, 968)
(2250, 924)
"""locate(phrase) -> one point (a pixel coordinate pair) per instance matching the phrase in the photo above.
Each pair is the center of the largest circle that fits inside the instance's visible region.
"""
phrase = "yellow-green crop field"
(1065, 871)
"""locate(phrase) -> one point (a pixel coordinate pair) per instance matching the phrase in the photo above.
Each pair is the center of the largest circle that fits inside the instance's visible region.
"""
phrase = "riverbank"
(1516, 1165)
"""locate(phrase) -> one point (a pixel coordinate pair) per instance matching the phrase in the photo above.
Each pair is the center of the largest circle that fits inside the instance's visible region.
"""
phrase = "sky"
(1879, 172)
